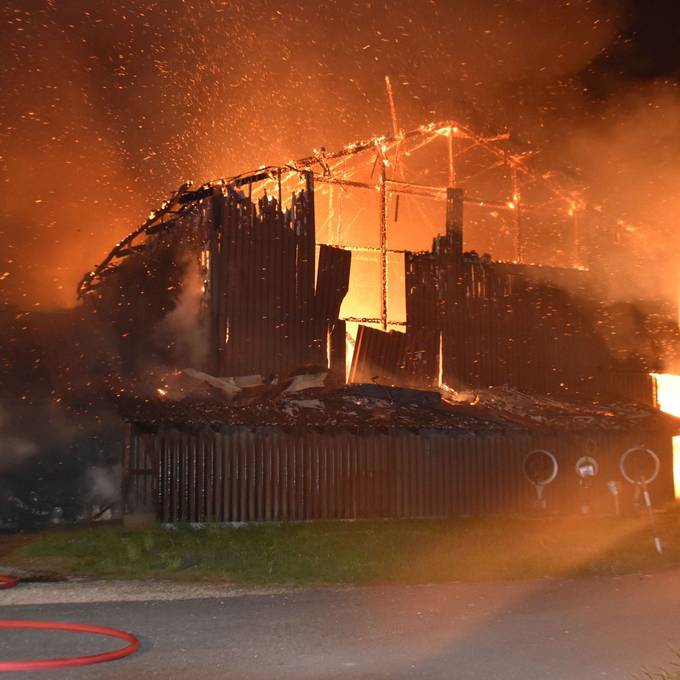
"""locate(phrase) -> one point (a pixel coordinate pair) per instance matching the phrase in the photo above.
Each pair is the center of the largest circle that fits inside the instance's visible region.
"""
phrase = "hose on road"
(63, 662)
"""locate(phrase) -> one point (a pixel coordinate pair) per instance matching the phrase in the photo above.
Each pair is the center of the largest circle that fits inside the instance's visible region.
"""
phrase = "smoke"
(182, 330)
(628, 159)
(102, 485)
(14, 448)
(62, 166)
(51, 472)
(109, 106)
(55, 420)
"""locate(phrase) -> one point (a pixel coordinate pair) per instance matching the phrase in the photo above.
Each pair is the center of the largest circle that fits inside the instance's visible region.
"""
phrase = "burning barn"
(281, 356)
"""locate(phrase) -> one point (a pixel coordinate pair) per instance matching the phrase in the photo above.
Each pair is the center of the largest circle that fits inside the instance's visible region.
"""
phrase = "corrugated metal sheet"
(378, 356)
(332, 282)
(140, 471)
(246, 475)
(540, 329)
(537, 329)
(260, 311)
(422, 322)
(503, 327)
(261, 292)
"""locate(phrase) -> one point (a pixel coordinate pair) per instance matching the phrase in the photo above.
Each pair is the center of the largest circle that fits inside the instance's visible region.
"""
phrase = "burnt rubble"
(373, 407)
(231, 286)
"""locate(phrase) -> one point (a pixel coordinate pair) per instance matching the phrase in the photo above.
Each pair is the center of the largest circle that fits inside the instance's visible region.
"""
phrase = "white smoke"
(13, 449)
(102, 485)
(182, 328)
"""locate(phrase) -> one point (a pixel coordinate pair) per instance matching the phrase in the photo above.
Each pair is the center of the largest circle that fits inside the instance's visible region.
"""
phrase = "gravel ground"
(88, 590)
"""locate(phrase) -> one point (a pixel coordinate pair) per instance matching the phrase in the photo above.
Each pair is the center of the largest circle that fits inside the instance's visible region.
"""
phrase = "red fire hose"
(62, 662)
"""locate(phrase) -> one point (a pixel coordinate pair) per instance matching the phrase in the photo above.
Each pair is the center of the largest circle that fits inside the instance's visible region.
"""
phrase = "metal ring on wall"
(553, 474)
(654, 457)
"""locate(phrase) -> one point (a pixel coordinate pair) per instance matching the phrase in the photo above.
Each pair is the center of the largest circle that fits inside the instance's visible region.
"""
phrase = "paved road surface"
(540, 630)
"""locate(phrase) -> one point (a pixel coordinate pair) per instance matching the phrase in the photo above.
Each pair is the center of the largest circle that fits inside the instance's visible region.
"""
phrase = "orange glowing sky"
(109, 106)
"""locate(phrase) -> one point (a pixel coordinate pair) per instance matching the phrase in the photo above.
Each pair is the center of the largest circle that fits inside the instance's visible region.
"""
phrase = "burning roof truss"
(469, 321)
(386, 165)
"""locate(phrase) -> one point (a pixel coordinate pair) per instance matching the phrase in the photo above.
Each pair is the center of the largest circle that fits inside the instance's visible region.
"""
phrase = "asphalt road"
(549, 630)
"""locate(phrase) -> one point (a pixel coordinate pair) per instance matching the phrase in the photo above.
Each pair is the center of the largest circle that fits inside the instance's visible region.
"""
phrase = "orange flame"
(668, 393)
(668, 401)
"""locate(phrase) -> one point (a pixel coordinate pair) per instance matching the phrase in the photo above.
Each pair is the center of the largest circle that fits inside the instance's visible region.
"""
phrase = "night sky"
(107, 107)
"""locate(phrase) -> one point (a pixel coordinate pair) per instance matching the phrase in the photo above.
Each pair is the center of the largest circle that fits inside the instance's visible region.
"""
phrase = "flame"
(676, 467)
(328, 348)
(440, 361)
(668, 392)
(668, 401)
(350, 341)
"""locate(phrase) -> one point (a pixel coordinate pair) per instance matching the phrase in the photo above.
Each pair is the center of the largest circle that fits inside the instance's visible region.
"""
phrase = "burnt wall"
(242, 474)
(227, 286)
(474, 322)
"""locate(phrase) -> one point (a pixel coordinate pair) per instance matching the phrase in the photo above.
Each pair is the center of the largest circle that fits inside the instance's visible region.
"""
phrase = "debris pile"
(313, 399)
(536, 411)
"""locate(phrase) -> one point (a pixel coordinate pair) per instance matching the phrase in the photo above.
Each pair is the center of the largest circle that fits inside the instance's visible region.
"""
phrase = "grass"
(465, 549)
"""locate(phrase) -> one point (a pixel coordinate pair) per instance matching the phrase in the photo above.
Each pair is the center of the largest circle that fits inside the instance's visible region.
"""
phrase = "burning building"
(264, 374)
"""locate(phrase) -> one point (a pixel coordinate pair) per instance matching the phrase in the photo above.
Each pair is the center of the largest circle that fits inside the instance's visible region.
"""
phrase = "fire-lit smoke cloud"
(183, 329)
(628, 156)
(107, 107)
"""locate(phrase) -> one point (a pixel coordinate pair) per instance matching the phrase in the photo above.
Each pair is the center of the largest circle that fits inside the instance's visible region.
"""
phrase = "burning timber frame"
(261, 310)
(469, 321)
(267, 307)
(328, 168)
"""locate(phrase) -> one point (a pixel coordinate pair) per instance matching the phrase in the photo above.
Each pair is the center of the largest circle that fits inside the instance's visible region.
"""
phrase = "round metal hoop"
(654, 457)
(551, 476)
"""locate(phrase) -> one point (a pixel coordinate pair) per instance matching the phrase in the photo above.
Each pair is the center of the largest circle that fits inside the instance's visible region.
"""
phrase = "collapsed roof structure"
(235, 279)
(267, 291)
